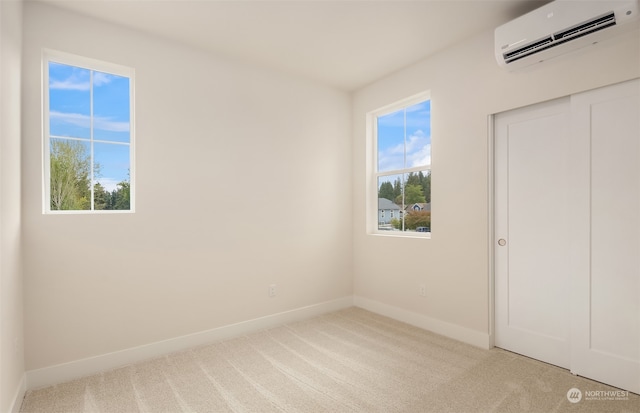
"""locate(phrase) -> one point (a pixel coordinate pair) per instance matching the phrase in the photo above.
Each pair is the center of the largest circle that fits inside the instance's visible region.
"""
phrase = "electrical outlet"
(423, 290)
(273, 290)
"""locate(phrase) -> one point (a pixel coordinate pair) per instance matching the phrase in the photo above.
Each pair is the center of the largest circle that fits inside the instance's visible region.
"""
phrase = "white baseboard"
(466, 335)
(16, 403)
(80, 368)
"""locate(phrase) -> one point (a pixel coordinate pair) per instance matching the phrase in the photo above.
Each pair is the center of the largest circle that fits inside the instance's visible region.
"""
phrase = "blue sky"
(70, 91)
(394, 141)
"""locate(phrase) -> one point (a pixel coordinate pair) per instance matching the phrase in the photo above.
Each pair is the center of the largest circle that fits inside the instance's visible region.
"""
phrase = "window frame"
(372, 222)
(49, 55)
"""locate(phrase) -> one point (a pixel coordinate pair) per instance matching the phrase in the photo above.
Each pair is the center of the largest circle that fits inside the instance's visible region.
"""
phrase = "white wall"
(466, 88)
(11, 313)
(243, 180)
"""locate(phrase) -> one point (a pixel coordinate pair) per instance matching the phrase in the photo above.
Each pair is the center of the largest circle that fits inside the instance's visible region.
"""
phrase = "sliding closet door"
(567, 233)
(532, 231)
(605, 287)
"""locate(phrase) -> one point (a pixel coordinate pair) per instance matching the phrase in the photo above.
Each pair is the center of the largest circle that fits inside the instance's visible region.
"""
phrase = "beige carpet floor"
(348, 361)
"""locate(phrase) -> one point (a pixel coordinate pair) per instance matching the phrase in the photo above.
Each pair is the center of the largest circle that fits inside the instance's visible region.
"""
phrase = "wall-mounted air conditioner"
(560, 27)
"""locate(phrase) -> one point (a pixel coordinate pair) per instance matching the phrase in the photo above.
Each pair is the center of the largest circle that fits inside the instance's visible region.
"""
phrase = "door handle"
(502, 242)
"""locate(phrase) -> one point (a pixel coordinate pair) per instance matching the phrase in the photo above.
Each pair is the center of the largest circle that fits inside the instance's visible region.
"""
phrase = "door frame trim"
(491, 224)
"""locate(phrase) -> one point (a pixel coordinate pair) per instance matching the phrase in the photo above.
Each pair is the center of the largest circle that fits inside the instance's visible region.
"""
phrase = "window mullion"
(404, 184)
(91, 137)
(417, 169)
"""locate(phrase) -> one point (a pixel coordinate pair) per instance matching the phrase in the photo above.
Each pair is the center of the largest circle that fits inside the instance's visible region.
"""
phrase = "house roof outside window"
(385, 204)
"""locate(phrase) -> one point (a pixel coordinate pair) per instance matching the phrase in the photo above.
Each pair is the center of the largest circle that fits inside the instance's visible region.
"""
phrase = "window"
(88, 135)
(400, 167)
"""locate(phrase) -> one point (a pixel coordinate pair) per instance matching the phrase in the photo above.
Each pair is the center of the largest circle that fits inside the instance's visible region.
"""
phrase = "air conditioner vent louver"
(587, 27)
(527, 50)
(582, 29)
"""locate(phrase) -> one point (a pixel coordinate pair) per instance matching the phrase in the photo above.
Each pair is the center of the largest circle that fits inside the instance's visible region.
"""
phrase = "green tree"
(386, 191)
(415, 219)
(413, 179)
(397, 190)
(69, 175)
(101, 197)
(426, 186)
(413, 194)
(122, 196)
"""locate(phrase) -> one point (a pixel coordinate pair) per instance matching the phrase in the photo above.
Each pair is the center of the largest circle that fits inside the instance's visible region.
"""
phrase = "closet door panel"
(615, 224)
(532, 274)
(605, 343)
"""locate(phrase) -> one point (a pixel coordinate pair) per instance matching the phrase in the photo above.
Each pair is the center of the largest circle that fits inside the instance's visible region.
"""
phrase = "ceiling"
(346, 44)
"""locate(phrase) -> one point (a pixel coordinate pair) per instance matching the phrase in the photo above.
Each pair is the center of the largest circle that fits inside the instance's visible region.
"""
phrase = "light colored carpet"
(348, 361)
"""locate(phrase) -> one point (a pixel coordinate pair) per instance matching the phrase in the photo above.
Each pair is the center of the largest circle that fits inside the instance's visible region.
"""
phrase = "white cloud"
(69, 84)
(100, 78)
(110, 125)
(79, 81)
(75, 119)
(84, 121)
(418, 150)
(390, 161)
(418, 153)
(416, 141)
(421, 157)
(396, 150)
